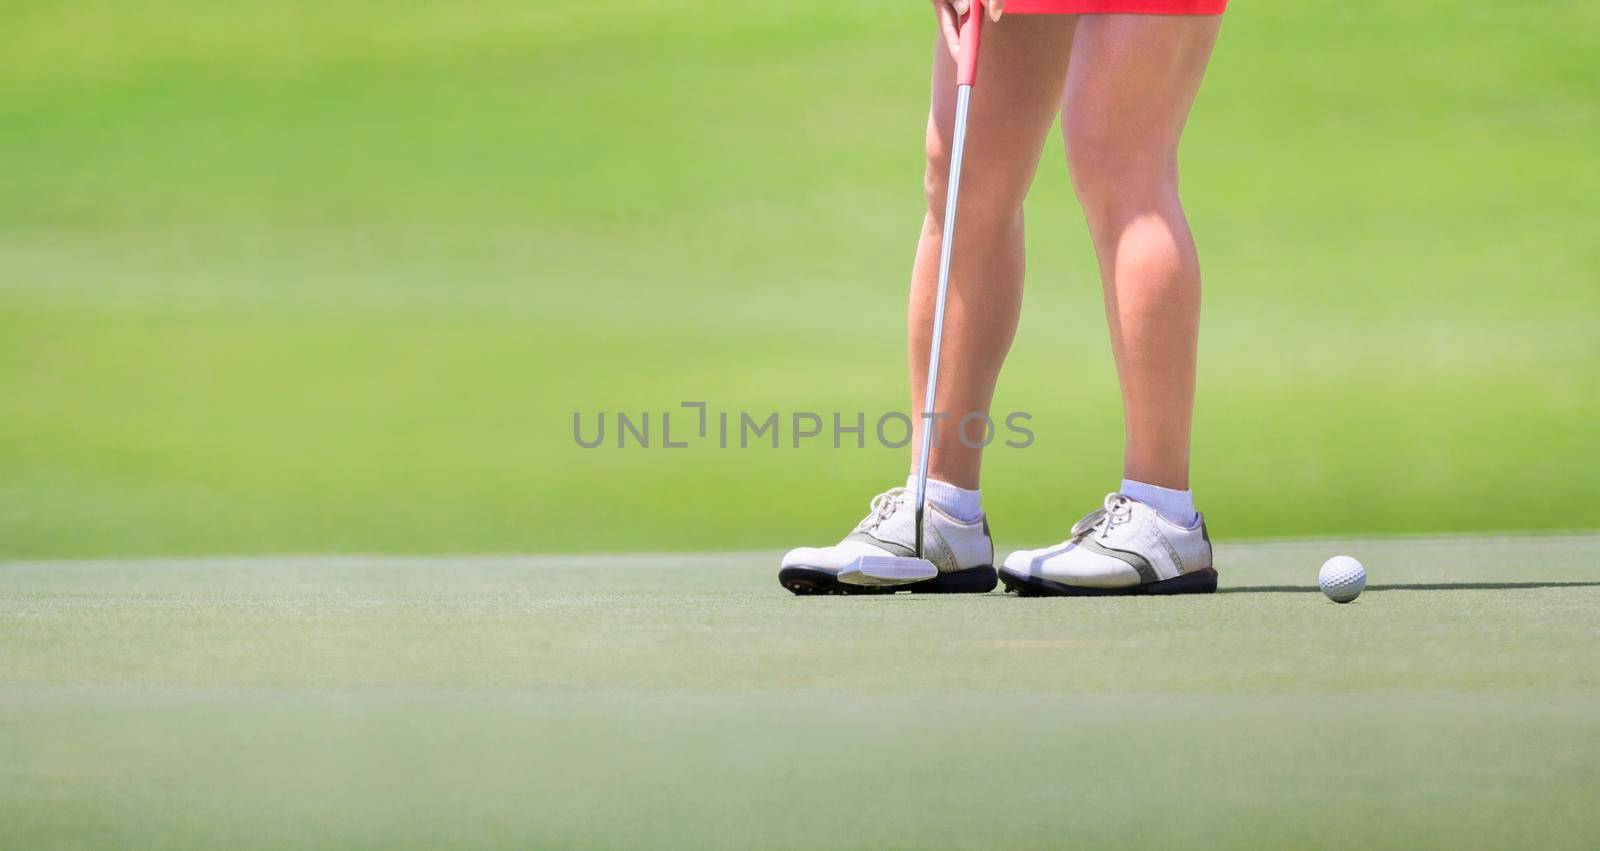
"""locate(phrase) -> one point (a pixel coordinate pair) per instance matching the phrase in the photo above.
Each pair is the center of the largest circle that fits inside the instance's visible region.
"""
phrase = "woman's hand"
(951, 12)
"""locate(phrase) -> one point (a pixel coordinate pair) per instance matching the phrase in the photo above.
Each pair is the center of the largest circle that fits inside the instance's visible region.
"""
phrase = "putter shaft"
(946, 241)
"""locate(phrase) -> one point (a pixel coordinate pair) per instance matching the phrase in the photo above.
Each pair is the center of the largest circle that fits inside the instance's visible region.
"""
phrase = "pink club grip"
(971, 31)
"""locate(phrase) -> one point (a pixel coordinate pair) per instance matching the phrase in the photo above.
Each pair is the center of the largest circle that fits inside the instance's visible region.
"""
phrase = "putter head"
(887, 571)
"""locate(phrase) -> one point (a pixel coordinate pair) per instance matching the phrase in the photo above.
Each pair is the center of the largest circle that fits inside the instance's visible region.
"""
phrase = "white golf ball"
(1342, 578)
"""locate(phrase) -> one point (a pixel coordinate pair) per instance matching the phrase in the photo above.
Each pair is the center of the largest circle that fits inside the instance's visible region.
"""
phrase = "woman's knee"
(991, 195)
(1114, 176)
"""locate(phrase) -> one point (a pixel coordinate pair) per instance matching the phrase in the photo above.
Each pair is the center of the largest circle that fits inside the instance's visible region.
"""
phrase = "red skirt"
(1113, 7)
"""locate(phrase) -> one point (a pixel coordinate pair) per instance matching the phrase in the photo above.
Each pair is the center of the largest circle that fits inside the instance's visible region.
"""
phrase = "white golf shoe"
(1124, 547)
(962, 551)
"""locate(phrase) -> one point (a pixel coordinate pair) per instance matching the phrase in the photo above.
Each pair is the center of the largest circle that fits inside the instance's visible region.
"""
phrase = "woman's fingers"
(949, 25)
(951, 12)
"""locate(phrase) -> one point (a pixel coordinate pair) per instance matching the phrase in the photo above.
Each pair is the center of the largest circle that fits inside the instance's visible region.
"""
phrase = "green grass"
(687, 701)
(310, 277)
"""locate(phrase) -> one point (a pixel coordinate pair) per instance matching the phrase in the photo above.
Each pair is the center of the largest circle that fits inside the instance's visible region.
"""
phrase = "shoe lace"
(1116, 510)
(883, 506)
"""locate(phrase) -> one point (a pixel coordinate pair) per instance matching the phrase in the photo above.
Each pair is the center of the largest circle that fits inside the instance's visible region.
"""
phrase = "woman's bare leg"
(1021, 72)
(1131, 81)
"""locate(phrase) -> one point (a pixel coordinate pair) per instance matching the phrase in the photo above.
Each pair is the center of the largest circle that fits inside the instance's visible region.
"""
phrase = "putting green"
(688, 701)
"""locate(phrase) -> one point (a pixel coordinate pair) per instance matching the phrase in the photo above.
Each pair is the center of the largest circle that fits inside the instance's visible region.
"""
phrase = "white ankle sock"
(1176, 506)
(959, 503)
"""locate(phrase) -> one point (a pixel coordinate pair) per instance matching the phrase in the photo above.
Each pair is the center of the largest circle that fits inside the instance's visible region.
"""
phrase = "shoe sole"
(1199, 582)
(806, 581)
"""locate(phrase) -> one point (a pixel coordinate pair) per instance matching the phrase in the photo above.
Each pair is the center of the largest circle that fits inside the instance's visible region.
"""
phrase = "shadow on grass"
(1420, 586)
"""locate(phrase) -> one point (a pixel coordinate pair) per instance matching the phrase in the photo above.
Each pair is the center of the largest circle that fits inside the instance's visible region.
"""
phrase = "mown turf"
(309, 277)
(688, 701)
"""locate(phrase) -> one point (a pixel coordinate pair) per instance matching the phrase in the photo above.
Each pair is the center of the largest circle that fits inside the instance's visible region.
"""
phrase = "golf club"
(905, 570)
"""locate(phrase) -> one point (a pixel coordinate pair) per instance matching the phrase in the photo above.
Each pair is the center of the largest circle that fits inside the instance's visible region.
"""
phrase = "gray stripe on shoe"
(1147, 571)
(937, 550)
(893, 547)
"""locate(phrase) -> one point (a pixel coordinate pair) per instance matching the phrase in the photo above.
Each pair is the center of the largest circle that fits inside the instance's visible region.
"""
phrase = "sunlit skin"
(1123, 85)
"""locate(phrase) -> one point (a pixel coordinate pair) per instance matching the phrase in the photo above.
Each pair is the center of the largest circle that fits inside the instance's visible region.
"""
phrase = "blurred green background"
(292, 276)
